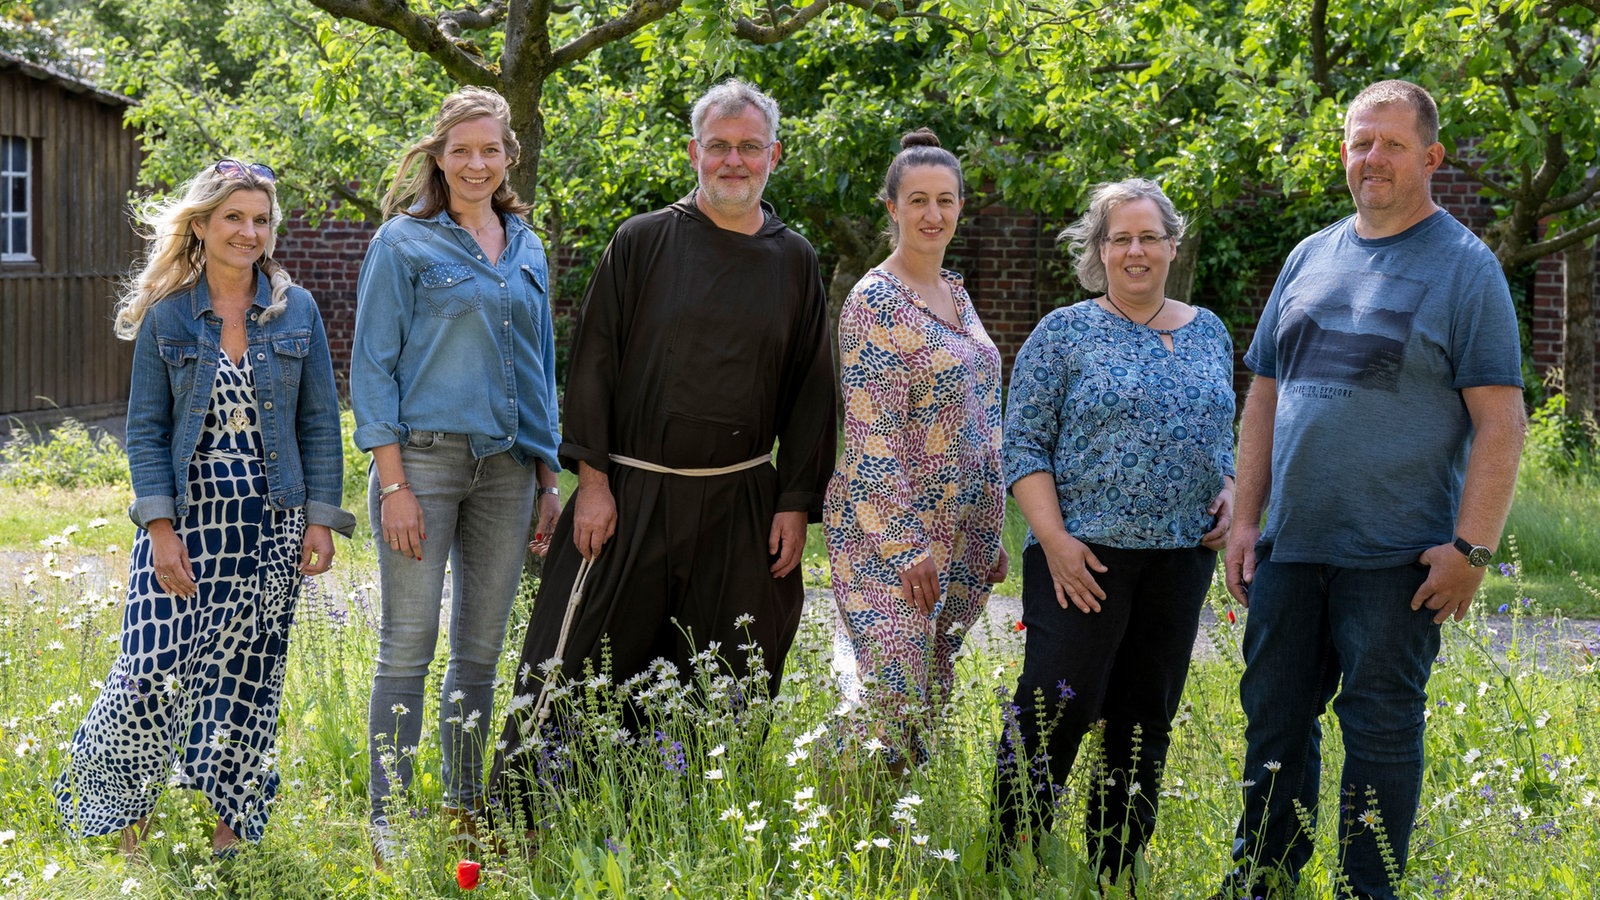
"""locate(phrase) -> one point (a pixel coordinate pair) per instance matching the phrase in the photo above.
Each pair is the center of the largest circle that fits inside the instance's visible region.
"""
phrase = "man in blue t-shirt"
(1385, 423)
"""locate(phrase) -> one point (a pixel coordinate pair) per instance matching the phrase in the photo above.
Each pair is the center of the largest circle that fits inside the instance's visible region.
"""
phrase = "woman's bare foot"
(132, 836)
(224, 842)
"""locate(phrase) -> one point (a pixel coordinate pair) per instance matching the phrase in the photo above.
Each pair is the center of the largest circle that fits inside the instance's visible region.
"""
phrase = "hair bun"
(922, 137)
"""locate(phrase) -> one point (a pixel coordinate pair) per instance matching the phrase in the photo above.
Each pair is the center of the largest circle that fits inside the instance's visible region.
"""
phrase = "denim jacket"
(174, 367)
(447, 341)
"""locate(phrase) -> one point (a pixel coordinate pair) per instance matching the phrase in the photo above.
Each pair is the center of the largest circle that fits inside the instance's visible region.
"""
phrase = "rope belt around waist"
(692, 473)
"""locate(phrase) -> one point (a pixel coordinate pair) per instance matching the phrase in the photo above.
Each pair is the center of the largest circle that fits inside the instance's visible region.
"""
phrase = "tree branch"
(1576, 198)
(452, 21)
(420, 33)
(781, 22)
(1477, 173)
(638, 14)
(1540, 249)
(1109, 68)
(1319, 47)
(780, 28)
(369, 210)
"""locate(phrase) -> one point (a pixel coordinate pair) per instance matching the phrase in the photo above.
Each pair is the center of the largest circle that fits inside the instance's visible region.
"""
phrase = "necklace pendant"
(238, 421)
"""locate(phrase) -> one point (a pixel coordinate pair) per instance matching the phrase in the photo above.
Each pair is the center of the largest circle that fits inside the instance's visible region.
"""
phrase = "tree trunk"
(1180, 277)
(524, 96)
(1578, 334)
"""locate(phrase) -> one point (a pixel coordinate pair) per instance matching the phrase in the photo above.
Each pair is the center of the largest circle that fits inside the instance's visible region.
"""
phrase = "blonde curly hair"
(176, 258)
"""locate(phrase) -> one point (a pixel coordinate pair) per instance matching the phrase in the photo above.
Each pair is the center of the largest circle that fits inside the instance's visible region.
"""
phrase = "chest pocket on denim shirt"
(180, 357)
(449, 290)
(291, 352)
(537, 306)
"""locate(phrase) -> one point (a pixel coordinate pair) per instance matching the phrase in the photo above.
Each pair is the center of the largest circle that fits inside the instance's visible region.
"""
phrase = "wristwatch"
(1477, 555)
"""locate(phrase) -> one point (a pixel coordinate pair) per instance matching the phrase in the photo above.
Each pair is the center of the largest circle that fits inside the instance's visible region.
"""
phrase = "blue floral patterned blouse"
(1137, 436)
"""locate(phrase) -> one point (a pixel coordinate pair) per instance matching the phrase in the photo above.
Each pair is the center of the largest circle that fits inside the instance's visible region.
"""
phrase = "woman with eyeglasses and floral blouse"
(1118, 447)
(237, 469)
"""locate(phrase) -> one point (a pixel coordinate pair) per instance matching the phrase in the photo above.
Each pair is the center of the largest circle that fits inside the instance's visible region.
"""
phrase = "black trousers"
(1125, 665)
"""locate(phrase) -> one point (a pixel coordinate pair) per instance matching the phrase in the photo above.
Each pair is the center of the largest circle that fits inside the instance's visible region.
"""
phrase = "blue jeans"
(475, 513)
(1318, 633)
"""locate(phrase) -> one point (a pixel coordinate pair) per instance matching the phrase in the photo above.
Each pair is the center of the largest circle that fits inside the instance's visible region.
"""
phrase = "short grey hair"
(1084, 237)
(730, 99)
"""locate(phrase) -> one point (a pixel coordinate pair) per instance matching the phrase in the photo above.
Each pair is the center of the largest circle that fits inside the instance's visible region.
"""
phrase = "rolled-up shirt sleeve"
(384, 300)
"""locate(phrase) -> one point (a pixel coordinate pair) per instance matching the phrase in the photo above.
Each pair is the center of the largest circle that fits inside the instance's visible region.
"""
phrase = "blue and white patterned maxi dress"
(192, 700)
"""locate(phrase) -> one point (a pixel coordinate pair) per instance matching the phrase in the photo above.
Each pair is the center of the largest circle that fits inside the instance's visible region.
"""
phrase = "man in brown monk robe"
(702, 341)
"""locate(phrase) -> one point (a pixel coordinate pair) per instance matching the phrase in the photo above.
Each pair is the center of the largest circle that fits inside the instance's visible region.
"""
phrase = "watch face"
(1480, 556)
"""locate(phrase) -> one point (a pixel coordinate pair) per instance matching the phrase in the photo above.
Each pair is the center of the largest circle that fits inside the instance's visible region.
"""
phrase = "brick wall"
(1009, 258)
(1003, 255)
(325, 260)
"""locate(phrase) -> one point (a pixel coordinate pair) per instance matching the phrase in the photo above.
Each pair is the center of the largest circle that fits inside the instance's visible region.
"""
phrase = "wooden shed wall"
(56, 345)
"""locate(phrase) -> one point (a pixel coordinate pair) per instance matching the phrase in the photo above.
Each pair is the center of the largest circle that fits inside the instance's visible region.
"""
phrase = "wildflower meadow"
(720, 795)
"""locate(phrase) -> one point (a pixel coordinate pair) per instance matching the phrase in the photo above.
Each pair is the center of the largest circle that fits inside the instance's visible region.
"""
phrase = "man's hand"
(1239, 564)
(594, 520)
(1451, 584)
(787, 541)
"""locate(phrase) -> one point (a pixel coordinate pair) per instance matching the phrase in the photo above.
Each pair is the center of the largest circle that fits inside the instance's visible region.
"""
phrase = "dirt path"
(1548, 638)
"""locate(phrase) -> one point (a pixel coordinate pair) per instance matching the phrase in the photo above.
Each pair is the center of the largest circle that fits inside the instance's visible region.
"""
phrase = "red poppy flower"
(1019, 626)
(467, 874)
(1231, 618)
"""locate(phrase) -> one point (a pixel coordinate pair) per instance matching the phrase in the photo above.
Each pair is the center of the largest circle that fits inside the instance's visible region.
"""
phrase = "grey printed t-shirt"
(1371, 342)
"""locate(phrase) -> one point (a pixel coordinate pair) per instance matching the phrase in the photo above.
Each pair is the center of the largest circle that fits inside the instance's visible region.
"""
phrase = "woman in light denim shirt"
(452, 378)
(237, 466)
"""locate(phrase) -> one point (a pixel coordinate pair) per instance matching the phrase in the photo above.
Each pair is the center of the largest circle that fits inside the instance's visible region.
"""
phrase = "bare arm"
(1252, 485)
(1499, 426)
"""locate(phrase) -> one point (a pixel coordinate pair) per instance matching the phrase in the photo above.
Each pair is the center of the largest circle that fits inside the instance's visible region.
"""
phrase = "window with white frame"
(16, 199)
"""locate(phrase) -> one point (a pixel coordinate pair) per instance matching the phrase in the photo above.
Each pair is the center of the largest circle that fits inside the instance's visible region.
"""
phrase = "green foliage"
(1517, 87)
(327, 102)
(1561, 443)
(356, 463)
(45, 34)
(1245, 243)
(66, 456)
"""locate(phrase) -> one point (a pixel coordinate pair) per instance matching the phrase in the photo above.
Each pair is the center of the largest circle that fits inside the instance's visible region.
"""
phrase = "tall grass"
(775, 800)
(769, 801)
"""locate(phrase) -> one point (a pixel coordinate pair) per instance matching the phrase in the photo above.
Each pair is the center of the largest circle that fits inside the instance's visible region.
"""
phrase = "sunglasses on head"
(232, 168)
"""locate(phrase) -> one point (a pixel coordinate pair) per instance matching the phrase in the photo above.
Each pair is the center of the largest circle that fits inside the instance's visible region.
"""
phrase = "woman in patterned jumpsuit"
(914, 509)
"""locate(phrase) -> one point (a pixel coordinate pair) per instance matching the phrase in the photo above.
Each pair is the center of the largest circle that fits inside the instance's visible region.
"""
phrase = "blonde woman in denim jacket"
(237, 469)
